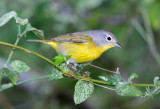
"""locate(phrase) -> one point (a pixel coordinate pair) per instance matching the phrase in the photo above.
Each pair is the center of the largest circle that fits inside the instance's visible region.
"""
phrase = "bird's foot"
(74, 71)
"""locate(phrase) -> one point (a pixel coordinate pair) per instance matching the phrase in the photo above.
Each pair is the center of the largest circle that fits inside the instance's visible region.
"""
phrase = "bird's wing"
(74, 38)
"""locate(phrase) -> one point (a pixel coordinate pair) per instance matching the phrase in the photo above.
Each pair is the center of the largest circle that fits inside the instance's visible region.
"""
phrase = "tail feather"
(52, 43)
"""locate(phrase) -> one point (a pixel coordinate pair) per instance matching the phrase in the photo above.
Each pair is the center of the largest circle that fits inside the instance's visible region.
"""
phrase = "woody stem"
(68, 73)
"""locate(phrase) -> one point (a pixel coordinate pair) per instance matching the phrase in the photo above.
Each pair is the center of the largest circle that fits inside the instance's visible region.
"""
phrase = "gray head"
(102, 37)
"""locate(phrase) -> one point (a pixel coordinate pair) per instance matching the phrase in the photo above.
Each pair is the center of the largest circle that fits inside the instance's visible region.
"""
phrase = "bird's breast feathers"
(81, 52)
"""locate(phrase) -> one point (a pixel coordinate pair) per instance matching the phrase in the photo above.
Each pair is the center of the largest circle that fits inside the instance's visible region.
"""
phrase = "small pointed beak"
(117, 45)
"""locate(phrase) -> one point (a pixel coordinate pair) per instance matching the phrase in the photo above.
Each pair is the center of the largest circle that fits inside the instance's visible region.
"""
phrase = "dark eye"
(108, 38)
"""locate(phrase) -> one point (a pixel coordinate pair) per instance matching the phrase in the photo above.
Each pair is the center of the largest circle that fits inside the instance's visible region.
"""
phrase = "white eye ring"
(108, 38)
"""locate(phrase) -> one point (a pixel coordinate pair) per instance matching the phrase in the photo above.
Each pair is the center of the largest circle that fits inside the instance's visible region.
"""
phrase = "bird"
(84, 46)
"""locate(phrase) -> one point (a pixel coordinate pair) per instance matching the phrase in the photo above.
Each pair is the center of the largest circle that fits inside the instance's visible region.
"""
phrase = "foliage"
(19, 66)
(83, 88)
(131, 21)
(82, 91)
(12, 75)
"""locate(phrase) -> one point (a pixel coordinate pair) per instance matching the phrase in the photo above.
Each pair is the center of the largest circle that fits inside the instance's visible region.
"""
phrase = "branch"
(68, 74)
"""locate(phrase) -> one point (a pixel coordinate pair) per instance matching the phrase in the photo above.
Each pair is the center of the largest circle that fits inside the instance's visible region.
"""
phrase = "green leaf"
(19, 66)
(149, 92)
(115, 79)
(87, 72)
(56, 74)
(12, 75)
(133, 75)
(83, 90)
(20, 20)
(129, 91)
(8, 16)
(156, 80)
(59, 59)
(154, 90)
(126, 90)
(37, 32)
(66, 68)
(122, 87)
(158, 83)
(148, 89)
(5, 86)
(68, 57)
(105, 78)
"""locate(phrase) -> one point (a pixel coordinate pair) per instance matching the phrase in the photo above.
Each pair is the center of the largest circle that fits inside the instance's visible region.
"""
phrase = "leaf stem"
(31, 52)
(9, 85)
(12, 51)
(33, 79)
(143, 85)
(16, 43)
(102, 68)
(63, 71)
(103, 86)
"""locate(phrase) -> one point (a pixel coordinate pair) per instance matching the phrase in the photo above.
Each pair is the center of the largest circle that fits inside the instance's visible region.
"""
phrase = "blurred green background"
(58, 17)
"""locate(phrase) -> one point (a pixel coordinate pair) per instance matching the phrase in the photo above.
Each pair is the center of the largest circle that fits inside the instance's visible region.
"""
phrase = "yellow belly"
(81, 52)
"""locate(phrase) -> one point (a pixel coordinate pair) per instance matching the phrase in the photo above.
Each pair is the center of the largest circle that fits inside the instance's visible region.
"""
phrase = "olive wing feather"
(74, 38)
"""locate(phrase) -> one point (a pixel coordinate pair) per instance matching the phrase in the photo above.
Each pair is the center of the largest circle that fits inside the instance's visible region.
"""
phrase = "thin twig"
(16, 43)
(12, 51)
(25, 81)
(102, 68)
(103, 86)
(33, 79)
(68, 73)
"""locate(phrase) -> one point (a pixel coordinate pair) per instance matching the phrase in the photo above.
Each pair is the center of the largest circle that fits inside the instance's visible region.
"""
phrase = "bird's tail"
(52, 43)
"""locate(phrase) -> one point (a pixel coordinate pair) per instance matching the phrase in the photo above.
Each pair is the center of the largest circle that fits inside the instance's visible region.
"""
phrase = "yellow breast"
(81, 52)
